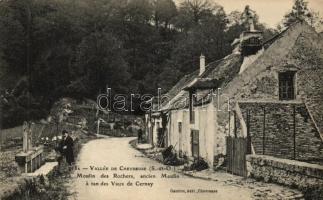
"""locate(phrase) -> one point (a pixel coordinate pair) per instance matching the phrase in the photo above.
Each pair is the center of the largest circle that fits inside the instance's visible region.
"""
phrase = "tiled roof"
(175, 93)
(223, 70)
(204, 83)
(187, 79)
(216, 74)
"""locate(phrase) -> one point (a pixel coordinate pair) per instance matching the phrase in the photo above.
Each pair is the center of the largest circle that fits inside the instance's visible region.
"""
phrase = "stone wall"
(272, 126)
(304, 176)
(298, 49)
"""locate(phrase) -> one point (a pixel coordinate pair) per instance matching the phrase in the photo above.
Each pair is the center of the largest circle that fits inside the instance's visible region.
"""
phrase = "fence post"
(248, 133)
(264, 130)
(229, 122)
(235, 124)
(294, 131)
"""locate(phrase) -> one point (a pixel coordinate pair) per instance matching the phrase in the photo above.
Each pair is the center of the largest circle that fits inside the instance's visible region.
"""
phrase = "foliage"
(301, 12)
(8, 166)
(55, 48)
(164, 12)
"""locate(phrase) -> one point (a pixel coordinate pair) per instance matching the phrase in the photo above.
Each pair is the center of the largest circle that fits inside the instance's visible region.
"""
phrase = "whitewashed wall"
(155, 130)
(205, 123)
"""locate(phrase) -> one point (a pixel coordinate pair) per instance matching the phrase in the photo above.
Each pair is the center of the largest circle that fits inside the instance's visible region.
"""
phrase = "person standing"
(139, 135)
(68, 148)
(60, 152)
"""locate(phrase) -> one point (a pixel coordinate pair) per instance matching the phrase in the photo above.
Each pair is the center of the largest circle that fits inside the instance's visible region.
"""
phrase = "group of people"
(65, 148)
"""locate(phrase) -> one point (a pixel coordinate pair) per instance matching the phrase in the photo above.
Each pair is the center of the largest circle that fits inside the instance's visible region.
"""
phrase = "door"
(195, 143)
(160, 138)
(236, 155)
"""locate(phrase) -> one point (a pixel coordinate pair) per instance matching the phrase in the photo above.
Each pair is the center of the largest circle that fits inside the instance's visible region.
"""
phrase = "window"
(179, 127)
(286, 85)
(254, 41)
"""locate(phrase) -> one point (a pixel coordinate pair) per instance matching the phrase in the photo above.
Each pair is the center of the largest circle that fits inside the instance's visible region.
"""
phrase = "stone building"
(270, 91)
(280, 94)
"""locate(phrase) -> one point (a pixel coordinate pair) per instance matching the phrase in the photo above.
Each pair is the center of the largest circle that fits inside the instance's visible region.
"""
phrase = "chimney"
(202, 64)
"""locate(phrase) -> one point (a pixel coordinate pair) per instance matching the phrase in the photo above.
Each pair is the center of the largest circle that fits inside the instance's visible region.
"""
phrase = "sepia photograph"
(161, 99)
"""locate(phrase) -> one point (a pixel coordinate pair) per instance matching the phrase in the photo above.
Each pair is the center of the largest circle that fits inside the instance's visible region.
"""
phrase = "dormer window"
(254, 41)
(287, 85)
(251, 42)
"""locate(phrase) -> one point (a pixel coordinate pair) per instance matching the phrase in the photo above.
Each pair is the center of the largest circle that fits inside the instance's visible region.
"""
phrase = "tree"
(168, 78)
(234, 18)
(12, 34)
(100, 62)
(191, 12)
(316, 21)
(164, 12)
(3, 72)
(139, 11)
(299, 12)
(57, 48)
(207, 37)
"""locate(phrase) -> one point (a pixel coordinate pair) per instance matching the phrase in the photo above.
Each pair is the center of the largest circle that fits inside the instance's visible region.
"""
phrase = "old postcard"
(161, 99)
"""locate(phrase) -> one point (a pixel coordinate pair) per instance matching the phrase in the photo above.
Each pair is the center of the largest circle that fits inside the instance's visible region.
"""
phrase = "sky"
(270, 12)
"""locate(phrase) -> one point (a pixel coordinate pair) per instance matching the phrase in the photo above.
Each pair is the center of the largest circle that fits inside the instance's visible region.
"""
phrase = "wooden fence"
(13, 136)
(236, 155)
(117, 132)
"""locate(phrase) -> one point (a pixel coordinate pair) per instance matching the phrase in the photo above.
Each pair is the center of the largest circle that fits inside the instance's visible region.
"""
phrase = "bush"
(198, 165)
(170, 157)
(7, 164)
(313, 193)
(38, 188)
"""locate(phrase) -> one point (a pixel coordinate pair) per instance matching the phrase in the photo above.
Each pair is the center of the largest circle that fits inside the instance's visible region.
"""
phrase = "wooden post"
(235, 124)
(248, 133)
(25, 137)
(229, 123)
(32, 165)
(29, 144)
(264, 131)
(294, 131)
(151, 128)
(98, 127)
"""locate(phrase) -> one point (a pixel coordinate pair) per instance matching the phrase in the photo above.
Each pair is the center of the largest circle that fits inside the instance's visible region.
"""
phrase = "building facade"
(268, 91)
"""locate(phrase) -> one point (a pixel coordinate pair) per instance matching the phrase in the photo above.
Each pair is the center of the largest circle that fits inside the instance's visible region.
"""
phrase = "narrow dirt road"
(116, 152)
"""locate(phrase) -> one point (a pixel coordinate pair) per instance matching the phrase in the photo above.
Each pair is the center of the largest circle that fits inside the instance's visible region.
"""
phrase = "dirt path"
(116, 152)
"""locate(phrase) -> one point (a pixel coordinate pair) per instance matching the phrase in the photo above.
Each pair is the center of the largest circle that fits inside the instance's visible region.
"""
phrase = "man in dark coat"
(139, 135)
(60, 151)
(68, 148)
